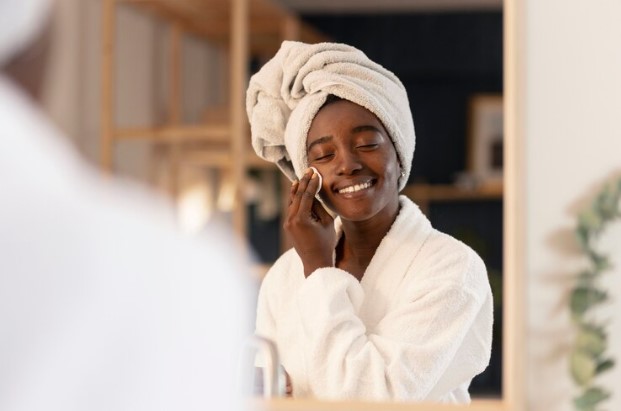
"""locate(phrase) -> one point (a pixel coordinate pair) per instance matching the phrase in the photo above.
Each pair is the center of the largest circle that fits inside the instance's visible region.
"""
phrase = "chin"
(361, 212)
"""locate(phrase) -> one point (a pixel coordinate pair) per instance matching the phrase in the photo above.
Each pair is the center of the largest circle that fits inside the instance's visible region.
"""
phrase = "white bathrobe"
(417, 327)
(103, 304)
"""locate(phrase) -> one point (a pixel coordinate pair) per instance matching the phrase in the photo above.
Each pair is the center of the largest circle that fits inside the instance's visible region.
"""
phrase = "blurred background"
(147, 90)
(154, 91)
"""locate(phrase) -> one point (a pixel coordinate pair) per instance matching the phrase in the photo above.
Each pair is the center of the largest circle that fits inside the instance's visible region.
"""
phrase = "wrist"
(311, 268)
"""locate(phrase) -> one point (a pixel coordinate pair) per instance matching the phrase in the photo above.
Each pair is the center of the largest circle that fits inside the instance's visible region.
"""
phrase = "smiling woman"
(372, 302)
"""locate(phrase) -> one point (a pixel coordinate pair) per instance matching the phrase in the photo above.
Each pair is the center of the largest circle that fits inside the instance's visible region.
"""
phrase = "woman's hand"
(309, 225)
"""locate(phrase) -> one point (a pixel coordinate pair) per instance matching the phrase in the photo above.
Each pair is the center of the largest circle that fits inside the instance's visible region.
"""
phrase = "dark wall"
(442, 59)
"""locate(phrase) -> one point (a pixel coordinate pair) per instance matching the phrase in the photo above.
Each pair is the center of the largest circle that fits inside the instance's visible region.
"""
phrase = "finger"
(294, 186)
(322, 214)
(308, 196)
(292, 190)
(306, 177)
(297, 196)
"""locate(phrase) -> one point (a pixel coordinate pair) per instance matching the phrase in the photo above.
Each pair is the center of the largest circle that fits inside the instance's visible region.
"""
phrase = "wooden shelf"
(267, 21)
(448, 192)
(245, 30)
(218, 158)
(214, 133)
(423, 194)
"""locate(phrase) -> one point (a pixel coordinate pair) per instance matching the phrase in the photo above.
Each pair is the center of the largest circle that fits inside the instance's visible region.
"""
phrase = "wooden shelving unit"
(424, 194)
(242, 28)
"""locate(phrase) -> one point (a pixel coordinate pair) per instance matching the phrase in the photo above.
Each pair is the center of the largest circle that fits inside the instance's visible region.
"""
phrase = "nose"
(349, 163)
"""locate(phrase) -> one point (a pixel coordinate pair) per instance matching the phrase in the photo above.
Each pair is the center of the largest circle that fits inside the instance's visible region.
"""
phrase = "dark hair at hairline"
(331, 99)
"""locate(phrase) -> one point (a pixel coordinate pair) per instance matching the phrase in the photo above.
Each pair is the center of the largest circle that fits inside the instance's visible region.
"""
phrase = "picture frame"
(485, 139)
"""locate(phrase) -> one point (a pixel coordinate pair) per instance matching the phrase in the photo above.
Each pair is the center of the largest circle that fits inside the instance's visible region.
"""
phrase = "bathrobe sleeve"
(435, 337)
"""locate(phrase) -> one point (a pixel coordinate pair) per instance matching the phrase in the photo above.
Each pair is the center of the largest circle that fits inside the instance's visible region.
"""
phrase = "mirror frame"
(514, 309)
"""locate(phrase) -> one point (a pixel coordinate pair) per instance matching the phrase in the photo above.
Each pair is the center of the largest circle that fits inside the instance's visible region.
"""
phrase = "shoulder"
(288, 260)
(433, 249)
(446, 260)
(286, 271)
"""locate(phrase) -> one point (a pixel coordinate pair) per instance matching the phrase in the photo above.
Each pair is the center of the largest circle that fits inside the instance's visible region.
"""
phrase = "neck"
(362, 238)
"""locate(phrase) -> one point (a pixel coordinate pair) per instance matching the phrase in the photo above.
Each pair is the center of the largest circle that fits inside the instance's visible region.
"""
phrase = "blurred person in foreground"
(103, 304)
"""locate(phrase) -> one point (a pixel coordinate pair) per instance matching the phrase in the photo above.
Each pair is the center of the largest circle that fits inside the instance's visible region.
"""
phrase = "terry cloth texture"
(286, 94)
(417, 327)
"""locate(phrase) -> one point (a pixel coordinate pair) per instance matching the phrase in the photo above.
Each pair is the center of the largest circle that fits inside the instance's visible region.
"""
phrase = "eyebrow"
(365, 127)
(320, 140)
(355, 130)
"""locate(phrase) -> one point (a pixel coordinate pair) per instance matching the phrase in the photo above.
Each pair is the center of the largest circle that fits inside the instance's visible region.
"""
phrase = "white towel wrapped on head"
(286, 94)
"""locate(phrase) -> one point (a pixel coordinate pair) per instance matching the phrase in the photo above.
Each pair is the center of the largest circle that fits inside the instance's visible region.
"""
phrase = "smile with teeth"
(355, 188)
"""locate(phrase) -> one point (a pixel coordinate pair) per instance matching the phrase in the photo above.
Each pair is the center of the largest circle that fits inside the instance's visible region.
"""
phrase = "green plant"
(589, 356)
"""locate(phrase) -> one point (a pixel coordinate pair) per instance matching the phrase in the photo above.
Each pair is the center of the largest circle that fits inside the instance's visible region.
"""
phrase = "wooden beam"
(515, 302)
(212, 133)
(108, 64)
(175, 64)
(239, 78)
(211, 18)
(448, 192)
(222, 158)
(291, 28)
(174, 102)
(305, 404)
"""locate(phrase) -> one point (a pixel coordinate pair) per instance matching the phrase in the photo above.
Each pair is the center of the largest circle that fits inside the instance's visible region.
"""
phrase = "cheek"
(392, 169)
(393, 178)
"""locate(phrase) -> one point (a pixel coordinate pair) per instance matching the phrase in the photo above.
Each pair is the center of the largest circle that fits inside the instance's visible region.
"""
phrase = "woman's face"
(351, 149)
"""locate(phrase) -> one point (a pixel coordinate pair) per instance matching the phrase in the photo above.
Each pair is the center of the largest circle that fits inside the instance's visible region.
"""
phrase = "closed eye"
(322, 157)
(367, 146)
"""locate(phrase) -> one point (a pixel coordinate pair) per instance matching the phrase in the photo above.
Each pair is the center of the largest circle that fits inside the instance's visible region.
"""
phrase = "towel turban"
(285, 95)
(20, 22)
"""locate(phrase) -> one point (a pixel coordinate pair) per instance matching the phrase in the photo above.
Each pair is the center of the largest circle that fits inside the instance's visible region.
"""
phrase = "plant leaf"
(590, 220)
(591, 342)
(583, 298)
(582, 234)
(595, 327)
(590, 398)
(587, 358)
(604, 365)
(582, 367)
(601, 262)
(607, 203)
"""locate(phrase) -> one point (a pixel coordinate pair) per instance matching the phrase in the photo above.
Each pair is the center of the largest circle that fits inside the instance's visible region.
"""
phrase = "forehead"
(340, 115)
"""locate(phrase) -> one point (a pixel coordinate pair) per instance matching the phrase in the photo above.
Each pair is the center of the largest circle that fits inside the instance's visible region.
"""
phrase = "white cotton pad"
(320, 180)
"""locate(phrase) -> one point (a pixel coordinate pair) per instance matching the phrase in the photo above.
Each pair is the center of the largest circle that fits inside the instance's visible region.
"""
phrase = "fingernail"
(295, 183)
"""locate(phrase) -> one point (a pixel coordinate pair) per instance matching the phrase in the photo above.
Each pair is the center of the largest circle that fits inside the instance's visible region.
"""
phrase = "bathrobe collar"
(404, 239)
